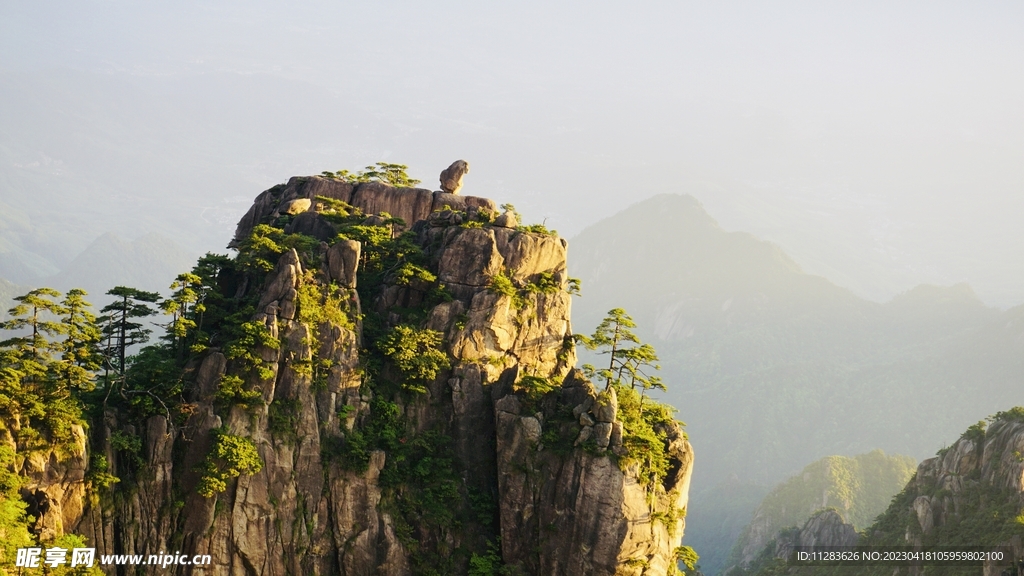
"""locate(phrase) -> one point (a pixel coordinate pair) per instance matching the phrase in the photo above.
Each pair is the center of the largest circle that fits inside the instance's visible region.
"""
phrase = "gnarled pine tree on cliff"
(380, 381)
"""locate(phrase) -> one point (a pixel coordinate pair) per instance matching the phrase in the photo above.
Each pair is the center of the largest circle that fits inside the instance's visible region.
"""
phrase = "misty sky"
(880, 144)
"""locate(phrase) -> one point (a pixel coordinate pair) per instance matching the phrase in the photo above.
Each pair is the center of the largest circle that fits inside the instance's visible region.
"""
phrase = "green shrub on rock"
(417, 353)
(230, 457)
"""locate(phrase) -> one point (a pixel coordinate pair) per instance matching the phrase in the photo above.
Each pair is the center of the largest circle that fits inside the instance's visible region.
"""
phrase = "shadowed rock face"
(570, 512)
(579, 513)
(826, 528)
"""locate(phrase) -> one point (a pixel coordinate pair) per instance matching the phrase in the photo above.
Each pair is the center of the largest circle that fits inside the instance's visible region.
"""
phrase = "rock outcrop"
(824, 529)
(970, 495)
(575, 511)
(979, 480)
(545, 469)
(409, 204)
(451, 177)
(54, 483)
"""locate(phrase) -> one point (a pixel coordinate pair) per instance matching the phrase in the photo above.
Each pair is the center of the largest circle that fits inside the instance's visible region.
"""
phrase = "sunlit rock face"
(573, 510)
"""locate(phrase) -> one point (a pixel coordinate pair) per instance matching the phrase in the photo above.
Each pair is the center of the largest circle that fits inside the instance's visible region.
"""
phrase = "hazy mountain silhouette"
(148, 263)
(773, 368)
(8, 291)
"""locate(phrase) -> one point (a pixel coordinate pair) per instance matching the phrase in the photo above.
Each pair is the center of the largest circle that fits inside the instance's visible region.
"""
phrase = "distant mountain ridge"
(967, 495)
(858, 488)
(8, 290)
(731, 313)
(149, 263)
(775, 367)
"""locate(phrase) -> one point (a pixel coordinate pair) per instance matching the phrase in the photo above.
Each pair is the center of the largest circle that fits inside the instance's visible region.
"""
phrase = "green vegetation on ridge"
(391, 174)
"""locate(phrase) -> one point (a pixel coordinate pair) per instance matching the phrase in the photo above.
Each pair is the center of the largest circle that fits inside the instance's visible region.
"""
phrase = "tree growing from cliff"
(627, 365)
(417, 353)
(628, 373)
(687, 557)
(216, 305)
(634, 364)
(123, 328)
(230, 457)
(609, 337)
(37, 312)
(185, 307)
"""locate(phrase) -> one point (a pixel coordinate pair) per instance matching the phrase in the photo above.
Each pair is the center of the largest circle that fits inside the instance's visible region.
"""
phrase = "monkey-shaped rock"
(451, 177)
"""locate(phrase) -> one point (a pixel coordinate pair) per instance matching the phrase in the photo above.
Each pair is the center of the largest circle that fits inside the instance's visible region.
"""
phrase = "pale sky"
(880, 143)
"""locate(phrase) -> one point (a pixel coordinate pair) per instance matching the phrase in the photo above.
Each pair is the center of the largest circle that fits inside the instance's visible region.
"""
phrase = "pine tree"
(635, 362)
(629, 375)
(35, 311)
(391, 174)
(609, 335)
(627, 365)
(213, 304)
(37, 391)
(122, 329)
(183, 306)
(25, 360)
(80, 355)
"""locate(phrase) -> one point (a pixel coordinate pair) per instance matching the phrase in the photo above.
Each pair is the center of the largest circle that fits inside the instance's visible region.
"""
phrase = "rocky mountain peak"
(389, 388)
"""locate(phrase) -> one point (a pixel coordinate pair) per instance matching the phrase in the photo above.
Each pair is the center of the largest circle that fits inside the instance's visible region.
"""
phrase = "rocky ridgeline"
(983, 469)
(548, 461)
(971, 494)
(300, 194)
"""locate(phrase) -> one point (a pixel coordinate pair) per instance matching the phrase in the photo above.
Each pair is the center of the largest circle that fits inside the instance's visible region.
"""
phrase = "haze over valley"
(875, 144)
(812, 213)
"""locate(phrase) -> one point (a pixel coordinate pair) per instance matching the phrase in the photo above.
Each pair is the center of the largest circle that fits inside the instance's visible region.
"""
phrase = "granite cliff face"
(972, 491)
(575, 511)
(503, 456)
